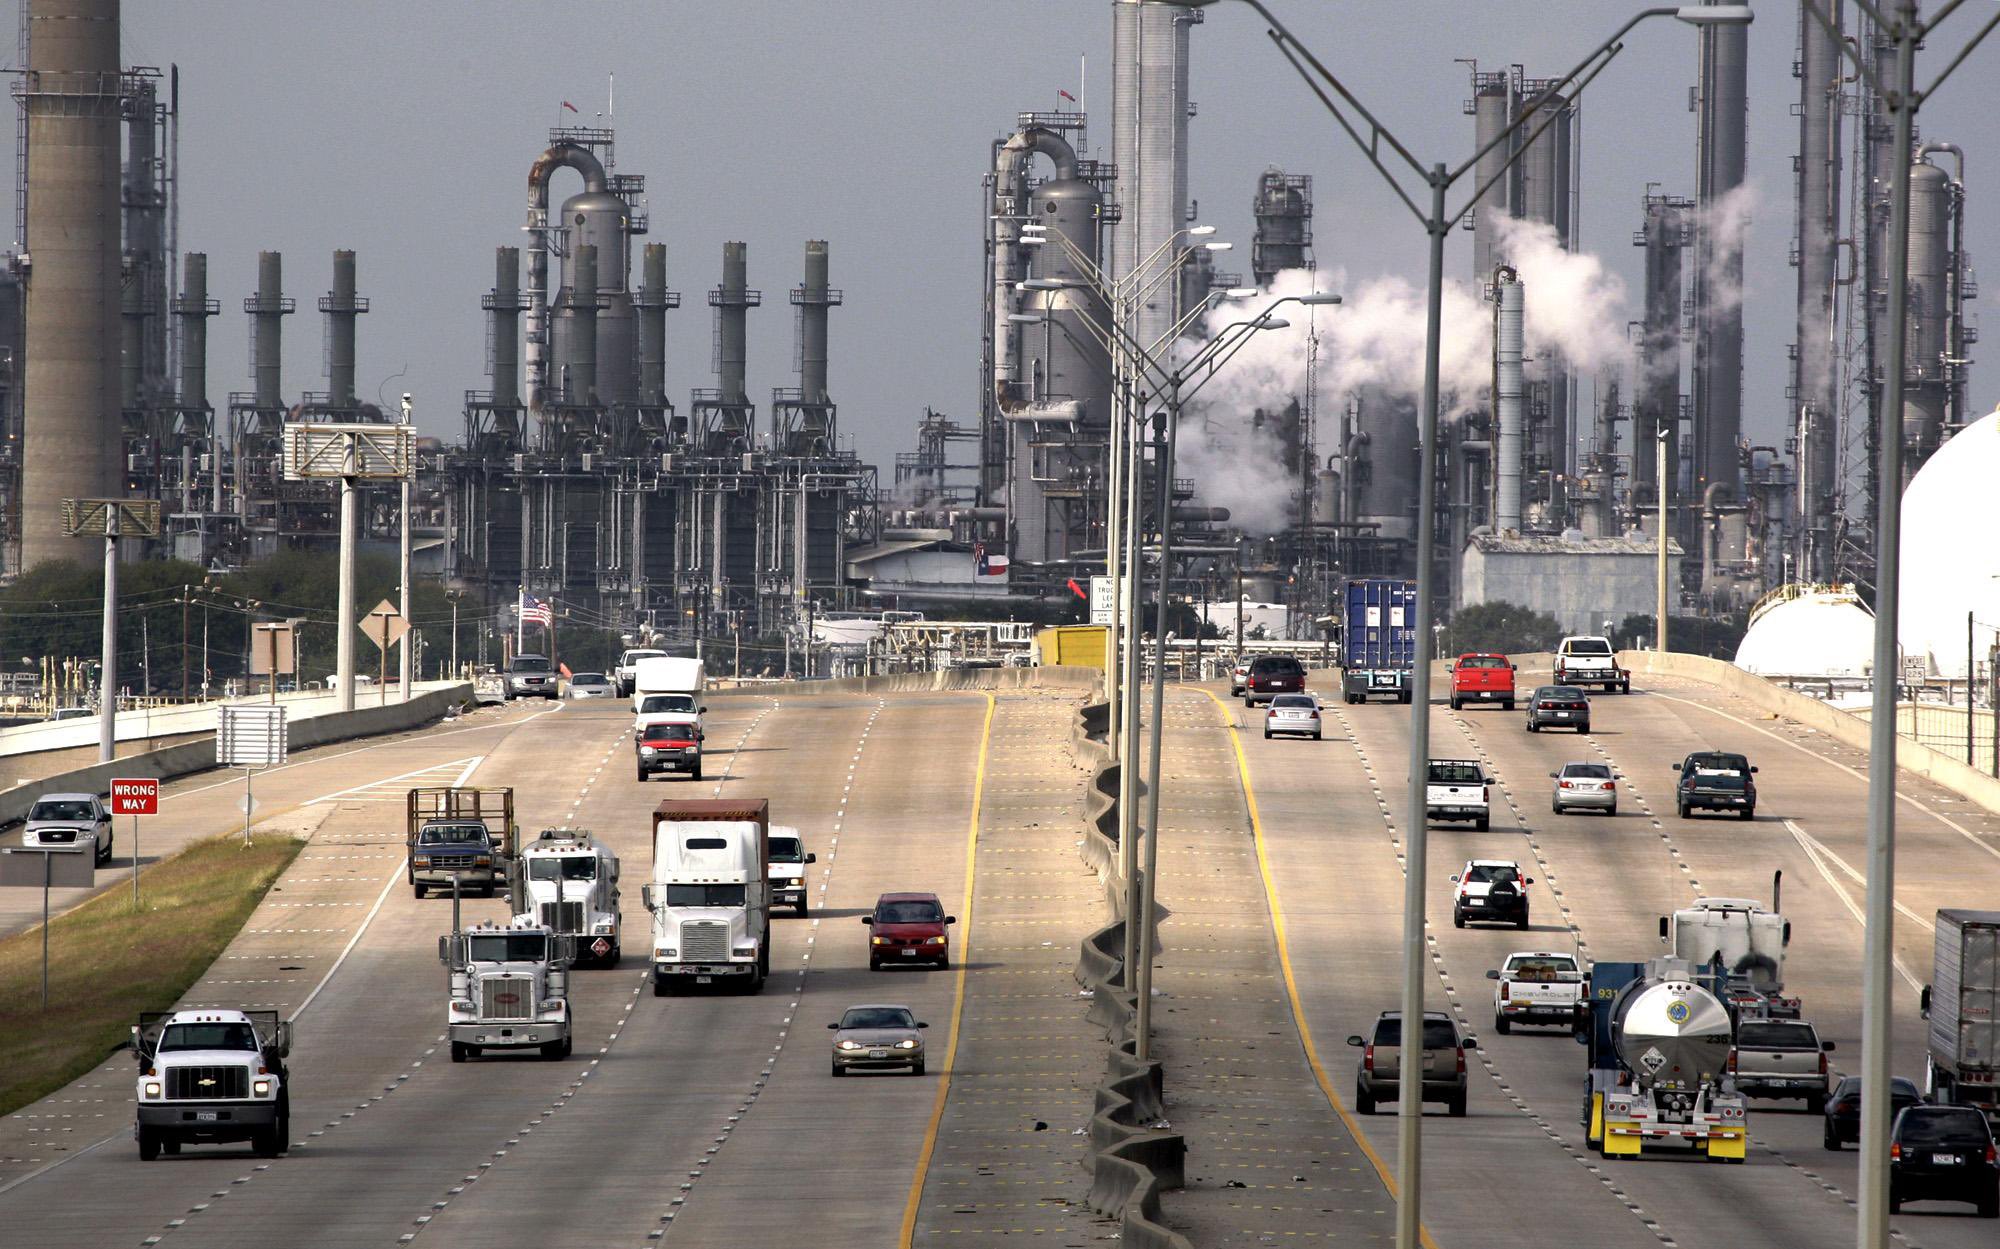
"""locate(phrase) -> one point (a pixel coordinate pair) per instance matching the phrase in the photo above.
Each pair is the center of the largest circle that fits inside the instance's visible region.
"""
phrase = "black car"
(1559, 707)
(1272, 675)
(1843, 1108)
(1943, 1153)
(1715, 780)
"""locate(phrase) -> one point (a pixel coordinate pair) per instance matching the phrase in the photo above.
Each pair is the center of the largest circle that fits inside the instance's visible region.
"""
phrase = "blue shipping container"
(1378, 639)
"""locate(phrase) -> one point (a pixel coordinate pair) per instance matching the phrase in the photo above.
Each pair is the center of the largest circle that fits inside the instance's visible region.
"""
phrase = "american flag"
(534, 611)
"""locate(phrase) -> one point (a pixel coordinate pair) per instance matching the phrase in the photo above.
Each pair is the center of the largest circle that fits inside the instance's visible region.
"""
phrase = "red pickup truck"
(1482, 678)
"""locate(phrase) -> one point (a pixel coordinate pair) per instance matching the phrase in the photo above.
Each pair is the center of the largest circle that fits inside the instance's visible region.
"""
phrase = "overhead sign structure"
(251, 736)
(319, 452)
(135, 795)
(111, 518)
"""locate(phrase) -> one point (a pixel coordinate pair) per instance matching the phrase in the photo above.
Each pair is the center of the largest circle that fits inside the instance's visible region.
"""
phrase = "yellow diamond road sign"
(385, 626)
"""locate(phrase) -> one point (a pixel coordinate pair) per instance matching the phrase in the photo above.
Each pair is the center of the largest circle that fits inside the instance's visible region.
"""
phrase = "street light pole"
(107, 708)
(344, 622)
(1661, 437)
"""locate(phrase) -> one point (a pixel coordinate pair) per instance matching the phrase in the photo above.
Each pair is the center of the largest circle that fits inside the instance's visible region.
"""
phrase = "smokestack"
(1507, 399)
(1149, 118)
(1820, 73)
(504, 302)
(194, 308)
(1723, 117)
(341, 306)
(582, 379)
(1492, 109)
(72, 435)
(732, 302)
(1664, 235)
(814, 298)
(653, 301)
(267, 310)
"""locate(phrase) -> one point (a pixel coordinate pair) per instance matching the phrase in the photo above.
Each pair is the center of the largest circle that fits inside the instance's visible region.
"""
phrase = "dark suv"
(532, 676)
(1714, 780)
(1379, 1076)
(1943, 1153)
(1272, 675)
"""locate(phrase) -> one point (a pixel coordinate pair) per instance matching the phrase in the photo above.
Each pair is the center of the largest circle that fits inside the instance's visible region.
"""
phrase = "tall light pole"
(1661, 437)
(111, 519)
(407, 669)
(1902, 98)
(1372, 136)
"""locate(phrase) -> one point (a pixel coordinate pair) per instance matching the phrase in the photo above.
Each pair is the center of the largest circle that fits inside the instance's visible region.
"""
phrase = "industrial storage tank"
(1070, 362)
(1809, 631)
(1951, 566)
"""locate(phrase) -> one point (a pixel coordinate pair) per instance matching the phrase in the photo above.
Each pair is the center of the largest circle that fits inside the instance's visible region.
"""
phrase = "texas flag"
(989, 565)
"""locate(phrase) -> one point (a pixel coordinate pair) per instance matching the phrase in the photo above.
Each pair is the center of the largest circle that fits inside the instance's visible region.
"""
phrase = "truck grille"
(452, 862)
(506, 998)
(207, 1083)
(562, 916)
(704, 940)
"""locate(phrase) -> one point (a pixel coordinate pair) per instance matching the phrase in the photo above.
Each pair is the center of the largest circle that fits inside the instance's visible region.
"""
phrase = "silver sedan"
(878, 1038)
(1292, 713)
(1588, 785)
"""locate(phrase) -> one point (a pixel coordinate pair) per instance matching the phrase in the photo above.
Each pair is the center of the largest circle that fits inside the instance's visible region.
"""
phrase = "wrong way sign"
(135, 795)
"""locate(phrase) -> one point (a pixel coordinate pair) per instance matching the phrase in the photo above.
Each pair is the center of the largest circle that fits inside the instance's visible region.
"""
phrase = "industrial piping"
(1507, 395)
(560, 156)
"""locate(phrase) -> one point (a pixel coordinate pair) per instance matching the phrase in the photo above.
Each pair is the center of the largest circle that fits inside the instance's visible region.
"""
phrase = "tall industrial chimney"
(1149, 117)
(267, 310)
(1658, 390)
(652, 304)
(72, 436)
(1508, 396)
(193, 307)
(1814, 405)
(341, 305)
(1723, 112)
(814, 297)
(504, 302)
(733, 300)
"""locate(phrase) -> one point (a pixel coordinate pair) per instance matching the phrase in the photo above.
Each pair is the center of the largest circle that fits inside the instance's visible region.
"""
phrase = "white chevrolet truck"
(212, 1074)
(1537, 987)
(1456, 789)
(1590, 660)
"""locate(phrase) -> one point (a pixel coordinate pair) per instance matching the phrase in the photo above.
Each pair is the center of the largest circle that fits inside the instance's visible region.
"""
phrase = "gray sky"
(404, 131)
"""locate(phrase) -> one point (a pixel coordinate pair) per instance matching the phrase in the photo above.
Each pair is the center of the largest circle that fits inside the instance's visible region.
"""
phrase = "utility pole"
(107, 708)
(1660, 571)
(403, 603)
(185, 590)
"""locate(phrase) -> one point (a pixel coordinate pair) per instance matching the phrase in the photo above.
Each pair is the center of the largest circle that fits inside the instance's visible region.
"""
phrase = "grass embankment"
(108, 962)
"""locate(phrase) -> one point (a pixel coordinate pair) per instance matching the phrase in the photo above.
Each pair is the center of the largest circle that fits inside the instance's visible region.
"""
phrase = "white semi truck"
(1746, 941)
(569, 885)
(711, 893)
(212, 1074)
(509, 989)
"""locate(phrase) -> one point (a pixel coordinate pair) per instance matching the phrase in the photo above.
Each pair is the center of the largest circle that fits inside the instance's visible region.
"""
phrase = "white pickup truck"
(1537, 987)
(1456, 789)
(1782, 1058)
(1590, 660)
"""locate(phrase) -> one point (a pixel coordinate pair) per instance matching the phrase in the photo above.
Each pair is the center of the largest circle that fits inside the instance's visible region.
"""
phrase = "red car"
(1482, 678)
(908, 928)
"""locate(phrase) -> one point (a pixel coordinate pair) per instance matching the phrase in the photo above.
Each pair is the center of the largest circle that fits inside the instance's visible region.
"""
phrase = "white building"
(1580, 581)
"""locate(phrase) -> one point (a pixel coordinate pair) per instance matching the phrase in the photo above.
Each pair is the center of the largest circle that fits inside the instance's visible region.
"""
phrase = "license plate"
(1560, 715)
(206, 1116)
(1944, 1160)
(878, 1053)
(1475, 902)
(704, 979)
(909, 953)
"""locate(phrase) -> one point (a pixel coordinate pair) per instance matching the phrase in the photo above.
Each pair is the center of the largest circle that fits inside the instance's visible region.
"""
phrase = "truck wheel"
(267, 1142)
(1363, 1103)
(803, 906)
(1816, 1104)
(1502, 1025)
(1454, 703)
(1483, 823)
(1456, 1106)
(420, 890)
(149, 1144)
(1457, 918)
(642, 776)
(1403, 697)
(1625, 687)
(697, 772)
(1506, 704)
(1749, 813)
(459, 1051)
(660, 988)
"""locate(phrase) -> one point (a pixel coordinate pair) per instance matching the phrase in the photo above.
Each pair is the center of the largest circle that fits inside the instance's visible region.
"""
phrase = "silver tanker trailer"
(1659, 1038)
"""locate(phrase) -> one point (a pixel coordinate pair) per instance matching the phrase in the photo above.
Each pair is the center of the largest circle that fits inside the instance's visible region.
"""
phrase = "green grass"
(108, 962)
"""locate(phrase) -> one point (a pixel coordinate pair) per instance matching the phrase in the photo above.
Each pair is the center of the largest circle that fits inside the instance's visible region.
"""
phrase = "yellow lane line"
(1285, 962)
(916, 1197)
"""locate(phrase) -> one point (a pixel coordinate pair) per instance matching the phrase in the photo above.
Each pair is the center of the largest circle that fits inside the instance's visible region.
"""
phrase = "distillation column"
(1149, 117)
(1664, 235)
(193, 308)
(72, 435)
(1508, 396)
(1722, 113)
(1814, 381)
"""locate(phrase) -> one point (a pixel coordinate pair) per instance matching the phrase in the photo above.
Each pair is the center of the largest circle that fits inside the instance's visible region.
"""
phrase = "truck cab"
(211, 1074)
(509, 989)
(1586, 659)
(710, 895)
(789, 857)
(1743, 945)
(569, 885)
(1482, 678)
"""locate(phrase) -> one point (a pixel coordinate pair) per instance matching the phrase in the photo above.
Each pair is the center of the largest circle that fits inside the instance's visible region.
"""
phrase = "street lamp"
(1372, 136)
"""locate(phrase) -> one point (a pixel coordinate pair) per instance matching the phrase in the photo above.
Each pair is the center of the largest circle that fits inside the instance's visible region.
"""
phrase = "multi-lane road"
(699, 1119)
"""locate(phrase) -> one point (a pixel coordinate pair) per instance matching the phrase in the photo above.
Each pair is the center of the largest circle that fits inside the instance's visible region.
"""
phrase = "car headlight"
(878, 941)
(152, 1088)
(849, 1045)
(937, 940)
(552, 1004)
(665, 953)
(604, 929)
(746, 949)
(462, 1008)
(422, 860)
(910, 1044)
(483, 860)
(261, 1088)
(647, 750)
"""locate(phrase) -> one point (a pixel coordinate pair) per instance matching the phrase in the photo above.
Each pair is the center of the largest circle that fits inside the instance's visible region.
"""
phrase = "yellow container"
(1077, 646)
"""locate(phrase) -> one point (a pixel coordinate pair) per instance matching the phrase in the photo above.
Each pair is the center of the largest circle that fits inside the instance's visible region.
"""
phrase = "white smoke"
(1726, 225)
(1373, 341)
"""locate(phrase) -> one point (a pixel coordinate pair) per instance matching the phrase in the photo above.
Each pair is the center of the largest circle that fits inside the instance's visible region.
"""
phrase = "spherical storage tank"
(1951, 558)
(1815, 633)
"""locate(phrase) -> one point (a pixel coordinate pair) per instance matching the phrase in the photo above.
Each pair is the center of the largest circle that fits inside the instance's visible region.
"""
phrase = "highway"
(700, 1118)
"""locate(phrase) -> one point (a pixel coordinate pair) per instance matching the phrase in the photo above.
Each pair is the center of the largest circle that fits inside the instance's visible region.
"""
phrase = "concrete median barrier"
(946, 679)
(199, 756)
(1844, 727)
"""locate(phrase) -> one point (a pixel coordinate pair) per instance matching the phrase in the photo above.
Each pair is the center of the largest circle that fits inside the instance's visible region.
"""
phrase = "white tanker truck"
(1659, 1038)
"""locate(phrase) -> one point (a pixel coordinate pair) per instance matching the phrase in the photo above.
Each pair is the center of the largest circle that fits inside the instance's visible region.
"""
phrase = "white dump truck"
(212, 1074)
(509, 989)
(569, 885)
(710, 894)
(1746, 941)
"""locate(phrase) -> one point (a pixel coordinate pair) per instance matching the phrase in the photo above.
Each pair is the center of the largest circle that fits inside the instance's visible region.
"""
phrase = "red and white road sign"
(135, 795)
